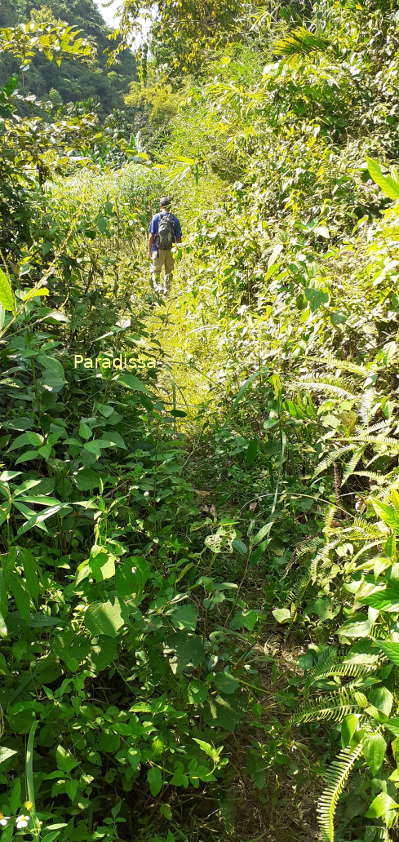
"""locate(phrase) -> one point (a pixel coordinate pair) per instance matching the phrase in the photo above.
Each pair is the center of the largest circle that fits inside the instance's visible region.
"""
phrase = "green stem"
(30, 787)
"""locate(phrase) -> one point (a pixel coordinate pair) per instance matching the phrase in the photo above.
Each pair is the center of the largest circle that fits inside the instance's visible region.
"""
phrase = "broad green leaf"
(189, 649)
(40, 500)
(103, 653)
(382, 699)
(226, 683)
(338, 317)
(388, 514)
(28, 456)
(358, 628)
(240, 547)
(384, 600)
(56, 316)
(382, 805)
(87, 479)
(35, 293)
(247, 619)
(185, 617)
(262, 534)
(104, 618)
(132, 382)
(52, 835)
(29, 437)
(19, 593)
(7, 299)
(394, 495)
(85, 431)
(131, 576)
(197, 692)
(65, 761)
(208, 749)
(53, 375)
(31, 574)
(391, 650)
(39, 519)
(179, 777)
(101, 563)
(154, 777)
(316, 297)
(392, 725)
(97, 445)
(282, 615)
(6, 476)
(387, 184)
(374, 748)
(348, 728)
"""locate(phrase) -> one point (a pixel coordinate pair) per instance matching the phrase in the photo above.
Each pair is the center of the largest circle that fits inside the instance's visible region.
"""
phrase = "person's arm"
(178, 231)
(152, 238)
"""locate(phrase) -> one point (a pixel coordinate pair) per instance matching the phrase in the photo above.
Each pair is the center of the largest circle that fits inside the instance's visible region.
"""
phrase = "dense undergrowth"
(200, 500)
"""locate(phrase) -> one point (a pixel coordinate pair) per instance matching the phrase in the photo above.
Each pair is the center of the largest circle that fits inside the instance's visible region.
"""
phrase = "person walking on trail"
(164, 230)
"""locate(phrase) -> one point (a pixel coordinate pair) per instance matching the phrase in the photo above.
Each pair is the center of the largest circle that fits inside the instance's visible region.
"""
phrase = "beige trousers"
(163, 260)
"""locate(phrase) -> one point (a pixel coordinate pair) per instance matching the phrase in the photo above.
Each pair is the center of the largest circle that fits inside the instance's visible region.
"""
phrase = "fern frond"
(360, 530)
(323, 557)
(345, 365)
(336, 778)
(336, 385)
(333, 457)
(332, 706)
(300, 42)
(366, 405)
(352, 464)
(341, 669)
(313, 569)
(308, 545)
(379, 479)
(380, 425)
(297, 592)
(377, 442)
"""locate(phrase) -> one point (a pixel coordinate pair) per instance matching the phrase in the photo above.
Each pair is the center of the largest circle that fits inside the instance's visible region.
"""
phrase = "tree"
(73, 81)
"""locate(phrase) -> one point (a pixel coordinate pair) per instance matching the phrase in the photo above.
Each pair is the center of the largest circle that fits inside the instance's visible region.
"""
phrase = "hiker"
(164, 230)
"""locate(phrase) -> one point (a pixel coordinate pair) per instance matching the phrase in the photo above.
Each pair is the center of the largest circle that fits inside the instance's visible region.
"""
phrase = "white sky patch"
(109, 12)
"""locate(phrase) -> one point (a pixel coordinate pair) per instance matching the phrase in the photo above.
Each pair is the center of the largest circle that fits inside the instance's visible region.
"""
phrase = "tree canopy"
(71, 82)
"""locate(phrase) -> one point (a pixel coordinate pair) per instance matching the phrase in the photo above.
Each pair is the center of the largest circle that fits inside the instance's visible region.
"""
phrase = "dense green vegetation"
(199, 497)
(70, 82)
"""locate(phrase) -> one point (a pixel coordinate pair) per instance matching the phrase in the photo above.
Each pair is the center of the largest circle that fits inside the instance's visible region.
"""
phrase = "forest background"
(199, 593)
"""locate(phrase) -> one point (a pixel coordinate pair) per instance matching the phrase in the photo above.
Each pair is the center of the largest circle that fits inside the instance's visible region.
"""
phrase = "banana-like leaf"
(387, 184)
(7, 299)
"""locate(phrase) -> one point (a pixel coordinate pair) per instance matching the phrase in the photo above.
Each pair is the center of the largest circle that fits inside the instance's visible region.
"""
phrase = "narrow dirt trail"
(187, 385)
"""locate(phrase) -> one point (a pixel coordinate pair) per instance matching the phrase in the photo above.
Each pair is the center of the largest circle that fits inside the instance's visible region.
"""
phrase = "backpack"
(166, 233)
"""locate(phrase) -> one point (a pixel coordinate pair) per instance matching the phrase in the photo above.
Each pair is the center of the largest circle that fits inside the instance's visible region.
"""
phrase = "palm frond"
(300, 42)
(336, 778)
